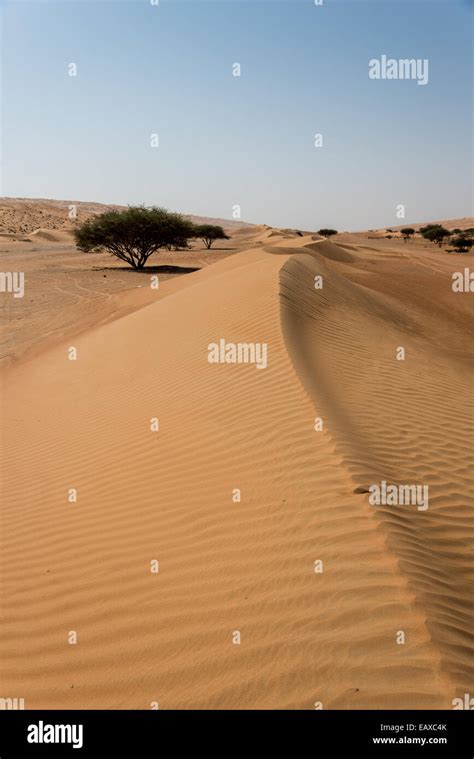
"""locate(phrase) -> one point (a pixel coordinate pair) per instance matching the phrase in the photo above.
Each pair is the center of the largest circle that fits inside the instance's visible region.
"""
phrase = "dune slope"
(307, 637)
(402, 421)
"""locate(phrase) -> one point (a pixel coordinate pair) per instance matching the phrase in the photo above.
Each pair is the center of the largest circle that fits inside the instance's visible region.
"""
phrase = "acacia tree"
(178, 244)
(435, 233)
(133, 235)
(462, 243)
(208, 233)
(327, 232)
(407, 232)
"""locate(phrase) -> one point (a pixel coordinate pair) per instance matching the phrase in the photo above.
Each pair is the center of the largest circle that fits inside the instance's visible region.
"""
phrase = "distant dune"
(22, 216)
(463, 223)
(33, 218)
(251, 566)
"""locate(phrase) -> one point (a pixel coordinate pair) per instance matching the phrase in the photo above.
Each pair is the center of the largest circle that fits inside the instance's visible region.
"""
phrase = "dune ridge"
(399, 421)
(307, 637)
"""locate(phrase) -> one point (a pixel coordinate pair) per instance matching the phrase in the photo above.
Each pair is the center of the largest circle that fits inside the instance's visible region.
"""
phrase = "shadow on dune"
(403, 422)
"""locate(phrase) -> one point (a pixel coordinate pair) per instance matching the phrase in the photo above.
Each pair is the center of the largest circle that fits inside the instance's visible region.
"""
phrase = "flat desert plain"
(199, 535)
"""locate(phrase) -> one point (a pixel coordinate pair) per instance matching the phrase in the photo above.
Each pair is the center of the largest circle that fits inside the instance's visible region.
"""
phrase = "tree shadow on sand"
(163, 269)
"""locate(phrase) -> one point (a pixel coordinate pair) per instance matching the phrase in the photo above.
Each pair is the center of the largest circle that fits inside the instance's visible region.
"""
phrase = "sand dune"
(400, 421)
(306, 637)
(68, 292)
(47, 235)
(20, 217)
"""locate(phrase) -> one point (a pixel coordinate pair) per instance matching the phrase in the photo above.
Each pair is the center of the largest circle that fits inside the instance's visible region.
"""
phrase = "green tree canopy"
(327, 232)
(435, 233)
(133, 235)
(209, 232)
(462, 243)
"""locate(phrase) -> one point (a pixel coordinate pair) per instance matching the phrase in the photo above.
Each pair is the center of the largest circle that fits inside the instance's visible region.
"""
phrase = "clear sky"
(166, 69)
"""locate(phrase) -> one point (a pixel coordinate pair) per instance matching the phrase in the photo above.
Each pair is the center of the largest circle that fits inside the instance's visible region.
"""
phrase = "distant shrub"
(327, 232)
(462, 243)
(407, 232)
(133, 235)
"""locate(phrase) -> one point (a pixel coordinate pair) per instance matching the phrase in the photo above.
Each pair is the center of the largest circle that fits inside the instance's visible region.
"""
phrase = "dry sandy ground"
(306, 637)
(67, 292)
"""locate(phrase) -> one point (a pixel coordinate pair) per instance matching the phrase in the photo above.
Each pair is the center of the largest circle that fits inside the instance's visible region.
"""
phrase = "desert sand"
(306, 637)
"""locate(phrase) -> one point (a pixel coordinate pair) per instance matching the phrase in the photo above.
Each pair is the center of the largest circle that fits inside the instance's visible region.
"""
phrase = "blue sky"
(248, 140)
